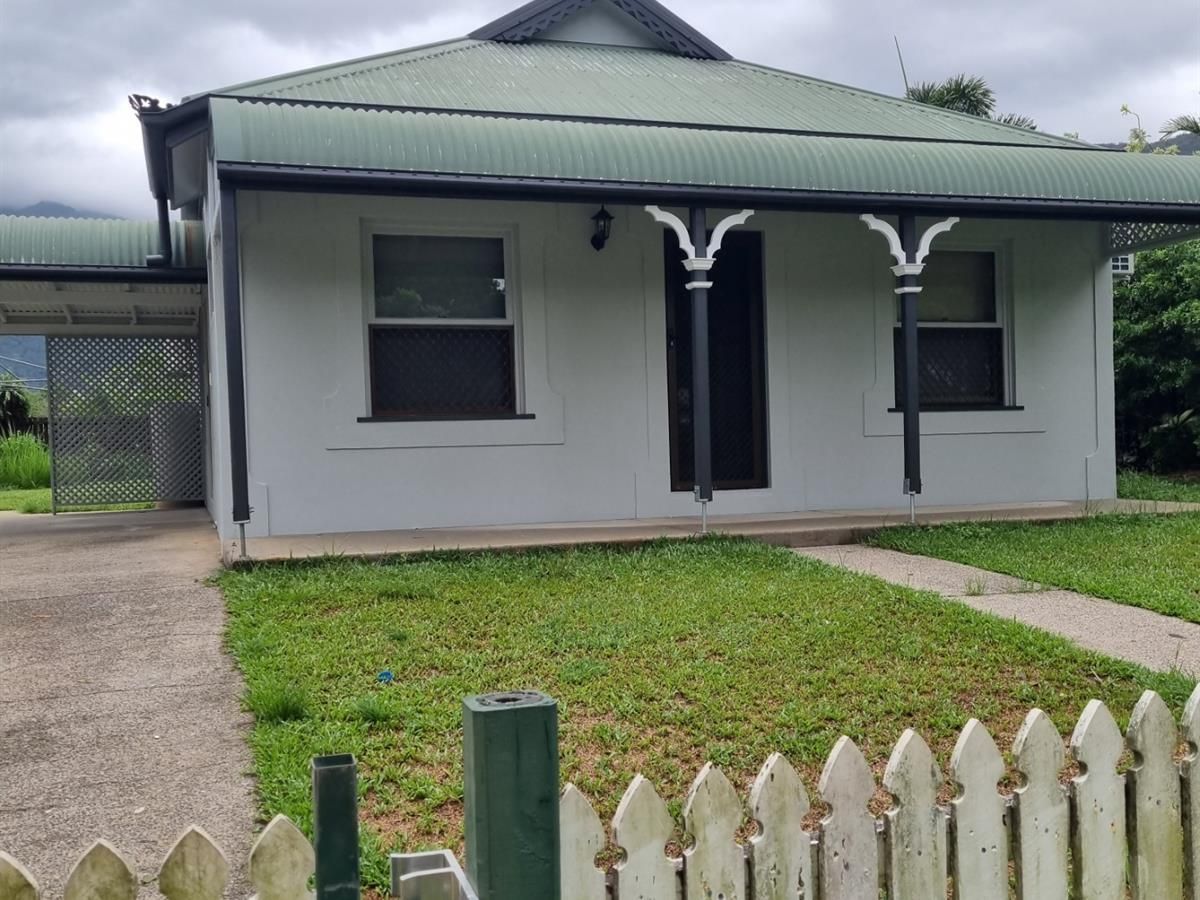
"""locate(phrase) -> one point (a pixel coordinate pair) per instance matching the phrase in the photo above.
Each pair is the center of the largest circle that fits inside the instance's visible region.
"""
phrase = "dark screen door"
(736, 365)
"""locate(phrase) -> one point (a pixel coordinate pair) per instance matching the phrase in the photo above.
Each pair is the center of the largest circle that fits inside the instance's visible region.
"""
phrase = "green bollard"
(335, 826)
(510, 792)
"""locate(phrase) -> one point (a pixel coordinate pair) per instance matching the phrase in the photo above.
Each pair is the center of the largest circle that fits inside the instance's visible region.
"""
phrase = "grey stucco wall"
(592, 337)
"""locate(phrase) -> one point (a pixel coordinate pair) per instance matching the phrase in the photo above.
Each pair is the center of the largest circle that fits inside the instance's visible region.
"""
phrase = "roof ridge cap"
(1053, 140)
(323, 67)
(388, 59)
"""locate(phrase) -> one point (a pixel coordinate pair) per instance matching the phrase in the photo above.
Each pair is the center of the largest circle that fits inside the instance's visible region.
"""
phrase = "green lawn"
(1144, 486)
(1148, 561)
(15, 499)
(37, 500)
(661, 657)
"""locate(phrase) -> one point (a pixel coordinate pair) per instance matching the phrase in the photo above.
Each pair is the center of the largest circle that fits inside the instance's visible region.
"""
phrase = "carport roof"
(40, 242)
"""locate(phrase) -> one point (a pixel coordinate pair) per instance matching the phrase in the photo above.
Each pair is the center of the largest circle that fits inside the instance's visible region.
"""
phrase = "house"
(583, 265)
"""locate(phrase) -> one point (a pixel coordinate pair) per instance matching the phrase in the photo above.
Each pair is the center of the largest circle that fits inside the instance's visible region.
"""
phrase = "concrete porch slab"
(801, 529)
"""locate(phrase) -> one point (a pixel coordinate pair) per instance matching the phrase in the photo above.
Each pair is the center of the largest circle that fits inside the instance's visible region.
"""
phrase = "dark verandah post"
(909, 249)
(699, 251)
(701, 409)
(908, 291)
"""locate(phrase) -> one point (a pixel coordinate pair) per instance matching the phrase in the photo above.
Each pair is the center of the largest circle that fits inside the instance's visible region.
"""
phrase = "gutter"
(321, 179)
(102, 274)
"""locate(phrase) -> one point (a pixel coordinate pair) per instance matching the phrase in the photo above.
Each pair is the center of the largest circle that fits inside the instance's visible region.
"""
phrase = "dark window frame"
(378, 412)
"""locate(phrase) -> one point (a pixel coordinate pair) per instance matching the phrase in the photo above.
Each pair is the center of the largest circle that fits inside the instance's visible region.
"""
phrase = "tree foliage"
(1156, 347)
(1139, 139)
(968, 94)
(14, 407)
(1190, 124)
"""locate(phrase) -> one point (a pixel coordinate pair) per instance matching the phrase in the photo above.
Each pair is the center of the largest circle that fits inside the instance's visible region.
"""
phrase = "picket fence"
(1103, 835)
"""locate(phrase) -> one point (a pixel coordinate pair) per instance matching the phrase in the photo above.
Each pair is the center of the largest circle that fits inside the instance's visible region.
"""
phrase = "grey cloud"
(1067, 63)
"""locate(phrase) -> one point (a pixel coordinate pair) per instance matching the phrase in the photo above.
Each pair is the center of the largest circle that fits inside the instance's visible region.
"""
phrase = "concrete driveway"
(119, 713)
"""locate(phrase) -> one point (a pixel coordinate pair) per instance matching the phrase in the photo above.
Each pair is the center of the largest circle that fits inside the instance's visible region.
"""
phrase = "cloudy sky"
(66, 66)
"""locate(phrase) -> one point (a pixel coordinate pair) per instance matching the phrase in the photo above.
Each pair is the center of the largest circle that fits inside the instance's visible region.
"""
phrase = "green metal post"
(510, 768)
(335, 826)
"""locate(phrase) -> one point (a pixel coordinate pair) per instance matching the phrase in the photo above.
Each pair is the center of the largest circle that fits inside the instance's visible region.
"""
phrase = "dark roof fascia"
(321, 179)
(520, 24)
(641, 123)
(160, 131)
(102, 274)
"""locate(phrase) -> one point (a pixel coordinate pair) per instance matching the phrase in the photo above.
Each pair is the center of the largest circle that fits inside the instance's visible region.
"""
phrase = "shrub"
(1156, 353)
(24, 462)
(1173, 446)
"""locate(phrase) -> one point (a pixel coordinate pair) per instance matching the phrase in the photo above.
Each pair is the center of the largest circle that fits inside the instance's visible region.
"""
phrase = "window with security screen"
(960, 334)
(441, 336)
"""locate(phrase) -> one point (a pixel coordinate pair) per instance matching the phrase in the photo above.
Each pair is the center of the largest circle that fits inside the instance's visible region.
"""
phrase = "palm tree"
(1190, 124)
(968, 94)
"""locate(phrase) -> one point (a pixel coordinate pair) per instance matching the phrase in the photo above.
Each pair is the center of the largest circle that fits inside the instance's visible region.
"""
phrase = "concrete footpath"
(1138, 635)
(119, 710)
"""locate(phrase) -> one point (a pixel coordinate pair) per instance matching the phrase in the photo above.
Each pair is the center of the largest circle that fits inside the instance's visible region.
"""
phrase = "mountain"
(53, 210)
(1187, 144)
(25, 357)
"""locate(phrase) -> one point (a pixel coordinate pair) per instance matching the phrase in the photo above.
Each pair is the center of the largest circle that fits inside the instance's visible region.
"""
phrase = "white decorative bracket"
(677, 225)
(930, 233)
(889, 234)
(694, 263)
(904, 266)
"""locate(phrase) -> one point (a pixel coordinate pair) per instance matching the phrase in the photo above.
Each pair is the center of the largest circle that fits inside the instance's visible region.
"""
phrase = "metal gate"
(126, 420)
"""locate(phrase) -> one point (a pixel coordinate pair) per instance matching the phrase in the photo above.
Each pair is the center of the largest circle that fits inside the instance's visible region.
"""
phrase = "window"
(960, 334)
(1123, 265)
(441, 337)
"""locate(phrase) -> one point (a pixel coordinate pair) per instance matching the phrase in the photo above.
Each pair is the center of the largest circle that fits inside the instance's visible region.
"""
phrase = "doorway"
(737, 365)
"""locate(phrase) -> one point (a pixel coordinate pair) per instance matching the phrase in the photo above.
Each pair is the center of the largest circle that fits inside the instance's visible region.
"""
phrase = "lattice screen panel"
(1127, 236)
(126, 419)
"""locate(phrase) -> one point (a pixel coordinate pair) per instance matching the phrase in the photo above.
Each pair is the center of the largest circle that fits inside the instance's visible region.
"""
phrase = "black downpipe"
(701, 414)
(910, 371)
(231, 291)
(163, 259)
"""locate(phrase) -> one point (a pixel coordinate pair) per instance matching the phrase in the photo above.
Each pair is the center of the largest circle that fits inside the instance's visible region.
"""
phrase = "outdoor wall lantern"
(603, 222)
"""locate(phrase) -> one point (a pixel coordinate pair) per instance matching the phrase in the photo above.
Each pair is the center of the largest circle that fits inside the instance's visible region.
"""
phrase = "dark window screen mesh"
(731, 386)
(442, 371)
(957, 366)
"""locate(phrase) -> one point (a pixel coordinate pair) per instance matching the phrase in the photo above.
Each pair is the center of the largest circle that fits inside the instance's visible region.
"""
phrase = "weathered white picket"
(919, 849)
(1116, 835)
(281, 864)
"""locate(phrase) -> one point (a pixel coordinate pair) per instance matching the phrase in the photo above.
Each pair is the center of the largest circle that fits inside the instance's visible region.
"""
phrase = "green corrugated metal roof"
(33, 240)
(458, 144)
(581, 80)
